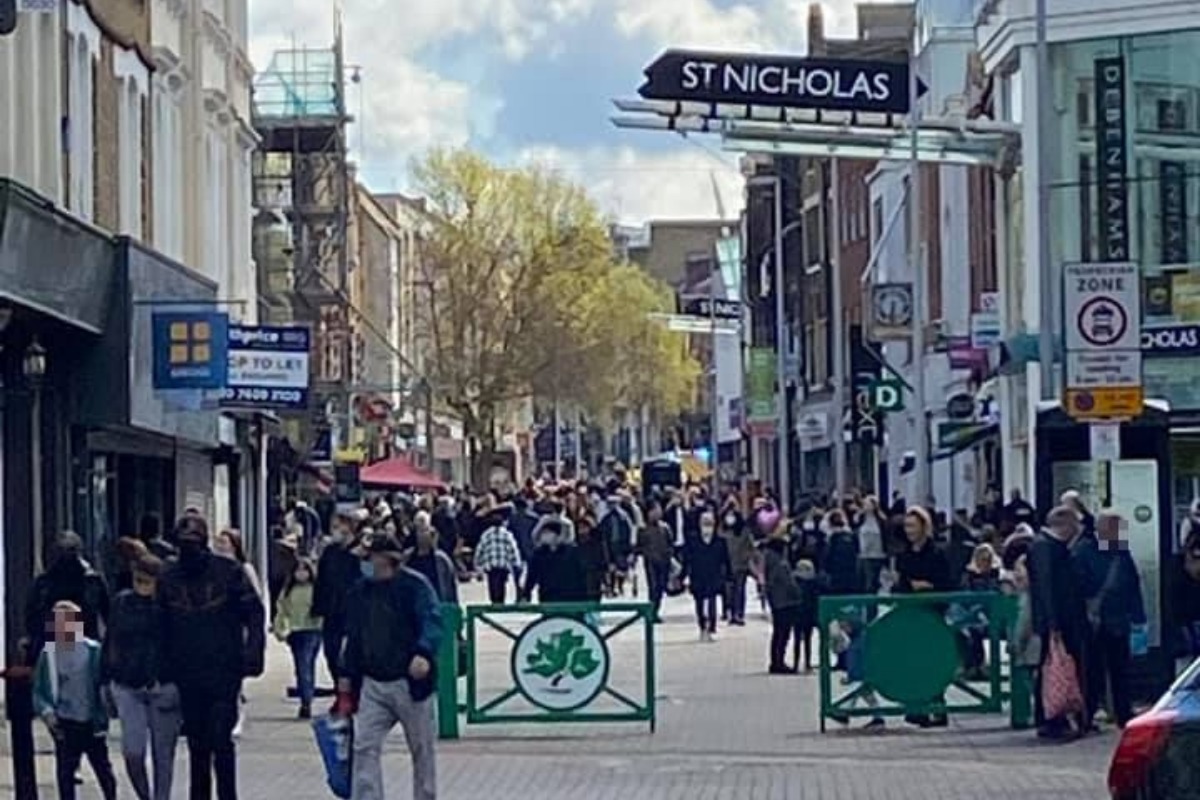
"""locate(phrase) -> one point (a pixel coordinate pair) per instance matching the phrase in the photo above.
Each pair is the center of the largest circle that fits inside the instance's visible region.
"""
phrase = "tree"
(509, 256)
(626, 358)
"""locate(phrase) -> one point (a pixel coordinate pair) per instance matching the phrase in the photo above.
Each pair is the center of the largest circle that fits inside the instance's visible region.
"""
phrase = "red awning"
(398, 473)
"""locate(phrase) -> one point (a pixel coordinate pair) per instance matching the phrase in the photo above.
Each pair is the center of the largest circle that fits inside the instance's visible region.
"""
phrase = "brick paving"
(725, 730)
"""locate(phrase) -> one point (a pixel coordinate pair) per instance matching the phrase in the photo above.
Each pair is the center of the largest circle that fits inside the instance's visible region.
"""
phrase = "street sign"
(891, 311)
(693, 305)
(887, 395)
(268, 367)
(683, 323)
(779, 80)
(985, 329)
(1105, 404)
(1103, 321)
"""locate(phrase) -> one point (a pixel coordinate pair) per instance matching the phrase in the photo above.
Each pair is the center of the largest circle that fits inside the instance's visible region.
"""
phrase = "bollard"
(447, 689)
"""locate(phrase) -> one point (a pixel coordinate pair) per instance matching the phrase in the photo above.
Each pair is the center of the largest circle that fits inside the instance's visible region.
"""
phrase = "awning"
(398, 473)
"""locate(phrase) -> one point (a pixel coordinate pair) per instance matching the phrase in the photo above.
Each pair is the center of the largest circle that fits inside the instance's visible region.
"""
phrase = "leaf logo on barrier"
(562, 654)
(560, 663)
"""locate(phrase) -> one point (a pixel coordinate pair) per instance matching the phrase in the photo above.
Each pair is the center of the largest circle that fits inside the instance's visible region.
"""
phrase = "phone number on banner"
(259, 397)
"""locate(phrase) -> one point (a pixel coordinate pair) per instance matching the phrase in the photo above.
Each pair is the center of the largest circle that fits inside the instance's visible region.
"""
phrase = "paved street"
(726, 730)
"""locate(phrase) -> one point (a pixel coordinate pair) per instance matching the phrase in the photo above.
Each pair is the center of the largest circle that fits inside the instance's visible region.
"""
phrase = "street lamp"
(33, 365)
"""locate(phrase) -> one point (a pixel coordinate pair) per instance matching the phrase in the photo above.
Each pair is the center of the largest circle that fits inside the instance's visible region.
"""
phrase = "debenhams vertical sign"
(764, 80)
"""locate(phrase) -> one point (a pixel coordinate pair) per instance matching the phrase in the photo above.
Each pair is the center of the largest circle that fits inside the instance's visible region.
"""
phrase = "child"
(66, 695)
(296, 625)
(1025, 645)
(810, 590)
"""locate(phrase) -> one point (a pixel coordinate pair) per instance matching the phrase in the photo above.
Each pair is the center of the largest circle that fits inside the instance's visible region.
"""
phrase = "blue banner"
(190, 349)
(268, 368)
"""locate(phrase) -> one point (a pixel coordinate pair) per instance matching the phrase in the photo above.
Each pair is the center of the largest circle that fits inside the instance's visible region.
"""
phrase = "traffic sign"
(1103, 321)
(887, 396)
(1106, 404)
(1103, 306)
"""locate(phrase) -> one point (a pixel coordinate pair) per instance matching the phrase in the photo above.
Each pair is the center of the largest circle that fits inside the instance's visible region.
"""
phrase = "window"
(83, 37)
(876, 220)
(130, 159)
(168, 173)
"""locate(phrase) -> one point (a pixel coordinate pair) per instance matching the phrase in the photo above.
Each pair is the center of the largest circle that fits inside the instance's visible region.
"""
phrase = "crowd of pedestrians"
(167, 654)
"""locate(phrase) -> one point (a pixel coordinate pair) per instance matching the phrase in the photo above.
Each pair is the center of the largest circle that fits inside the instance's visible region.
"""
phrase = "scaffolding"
(302, 193)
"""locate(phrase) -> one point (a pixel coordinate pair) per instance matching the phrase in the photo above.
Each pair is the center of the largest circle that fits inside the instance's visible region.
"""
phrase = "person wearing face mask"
(395, 629)
(706, 567)
(337, 572)
(145, 698)
(740, 545)
(213, 638)
(296, 626)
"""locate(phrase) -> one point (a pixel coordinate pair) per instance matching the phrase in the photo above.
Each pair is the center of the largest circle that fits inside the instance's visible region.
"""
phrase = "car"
(1158, 755)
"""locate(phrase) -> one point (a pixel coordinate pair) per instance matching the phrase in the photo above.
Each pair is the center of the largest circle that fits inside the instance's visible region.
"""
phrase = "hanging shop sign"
(891, 311)
(777, 80)
(1171, 340)
(704, 306)
(268, 368)
(190, 349)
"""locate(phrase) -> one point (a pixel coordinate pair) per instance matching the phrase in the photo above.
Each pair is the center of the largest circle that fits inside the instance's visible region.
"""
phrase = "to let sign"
(776, 80)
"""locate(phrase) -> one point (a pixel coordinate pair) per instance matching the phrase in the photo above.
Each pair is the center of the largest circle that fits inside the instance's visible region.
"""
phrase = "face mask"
(730, 520)
(367, 567)
(706, 533)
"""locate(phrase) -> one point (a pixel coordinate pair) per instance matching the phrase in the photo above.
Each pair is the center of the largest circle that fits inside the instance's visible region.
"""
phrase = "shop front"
(1124, 174)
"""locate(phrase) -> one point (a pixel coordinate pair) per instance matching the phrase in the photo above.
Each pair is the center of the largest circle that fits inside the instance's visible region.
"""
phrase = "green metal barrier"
(905, 655)
(560, 666)
(447, 694)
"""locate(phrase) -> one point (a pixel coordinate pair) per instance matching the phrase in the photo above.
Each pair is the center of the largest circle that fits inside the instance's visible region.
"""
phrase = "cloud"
(405, 106)
(633, 186)
(759, 25)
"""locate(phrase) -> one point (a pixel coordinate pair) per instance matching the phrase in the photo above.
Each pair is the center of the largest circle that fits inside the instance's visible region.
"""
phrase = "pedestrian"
(497, 556)
(296, 626)
(1058, 608)
(706, 568)
(429, 560)
(337, 572)
(784, 599)
(66, 695)
(740, 544)
(521, 523)
(392, 637)
(869, 526)
(594, 555)
(229, 544)
(1184, 582)
(811, 587)
(556, 568)
(213, 638)
(281, 563)
(842, 569)
(1121, 611)
(656, 547)
(1025, 646)
(981, 575)
(922, 567)
(142, 691)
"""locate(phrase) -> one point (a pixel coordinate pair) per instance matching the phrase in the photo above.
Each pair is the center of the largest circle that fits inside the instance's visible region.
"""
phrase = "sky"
(531, 82)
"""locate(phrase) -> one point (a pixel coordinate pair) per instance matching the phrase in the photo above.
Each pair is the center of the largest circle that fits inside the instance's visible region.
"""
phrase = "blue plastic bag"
(1139, 640)
(334, 738)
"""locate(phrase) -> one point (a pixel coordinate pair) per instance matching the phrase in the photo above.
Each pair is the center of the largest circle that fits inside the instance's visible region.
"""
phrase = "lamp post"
(33, 365)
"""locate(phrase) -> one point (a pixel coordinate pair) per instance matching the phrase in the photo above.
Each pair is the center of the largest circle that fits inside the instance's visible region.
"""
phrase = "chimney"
(816, 30)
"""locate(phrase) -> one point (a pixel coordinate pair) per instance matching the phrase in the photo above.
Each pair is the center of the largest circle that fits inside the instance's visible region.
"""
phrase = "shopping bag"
(334, 737)
(1061, 693)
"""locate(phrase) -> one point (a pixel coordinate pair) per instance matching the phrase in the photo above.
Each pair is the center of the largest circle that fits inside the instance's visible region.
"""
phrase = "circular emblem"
(1084, 401)
(560, 663)
(1143, 513)
(1102, 321)
(893, 306)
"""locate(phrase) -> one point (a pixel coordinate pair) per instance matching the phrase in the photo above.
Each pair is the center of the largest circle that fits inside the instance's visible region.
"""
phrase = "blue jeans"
(305, 646)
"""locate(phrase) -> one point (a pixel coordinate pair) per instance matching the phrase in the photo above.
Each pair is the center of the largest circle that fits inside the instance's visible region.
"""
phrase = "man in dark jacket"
(213, 637)
(1057, 601)
(337, 572)
(1120, 609)
(392, 638)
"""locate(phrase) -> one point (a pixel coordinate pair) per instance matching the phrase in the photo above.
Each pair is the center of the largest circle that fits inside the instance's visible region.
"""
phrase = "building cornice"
(217, 106)
(216, 33)
(247, 138)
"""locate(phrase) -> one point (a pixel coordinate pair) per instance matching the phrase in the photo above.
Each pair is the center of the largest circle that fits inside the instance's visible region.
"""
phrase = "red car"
(1158, 757)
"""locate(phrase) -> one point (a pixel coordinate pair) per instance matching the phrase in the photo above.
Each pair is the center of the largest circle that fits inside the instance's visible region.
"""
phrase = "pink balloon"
(768, 518)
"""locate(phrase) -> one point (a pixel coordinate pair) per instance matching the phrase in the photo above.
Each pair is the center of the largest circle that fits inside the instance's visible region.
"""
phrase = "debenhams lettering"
(783, 81)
